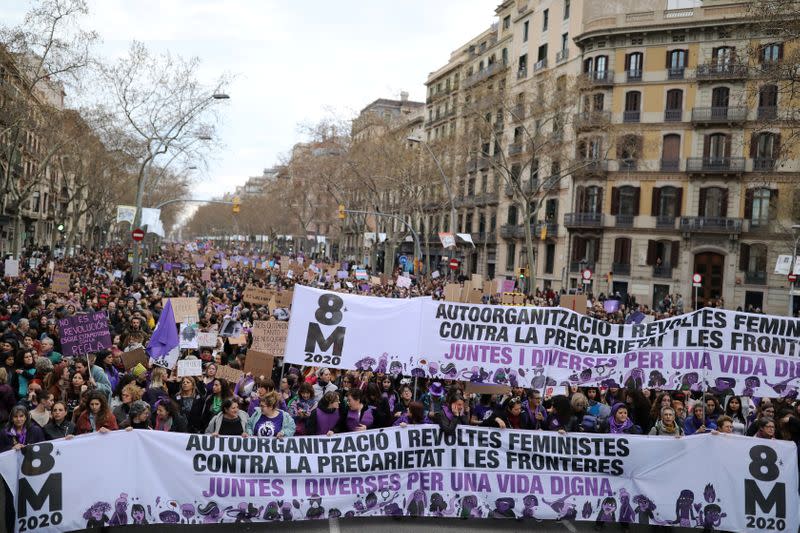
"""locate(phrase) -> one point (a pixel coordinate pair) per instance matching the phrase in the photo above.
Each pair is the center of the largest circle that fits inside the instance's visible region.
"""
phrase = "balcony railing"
(631, 116)
(628, 164)
(676, 73)
(711, 225)
(591, 119)
(583, 220)
(518, 113)
(665, 222)
(662, 271)
(552, 229)
(715, 165)
(621, 269)
(516, 148)
(721, 71)
(670, 165)
(600, 77)
(590, 167)
(755, 278)
(540, 65)
(578, 266)
(634, 74)
(763, 163)
(483, 74)
(723, 115)
(673, 115)
(507, 231)
(483, 162)
(624, 221)
(562, 55)
(484, 237)
(522, 73)
(767, 112)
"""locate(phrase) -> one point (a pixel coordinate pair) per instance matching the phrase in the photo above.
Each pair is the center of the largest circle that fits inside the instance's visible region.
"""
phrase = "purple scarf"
(616, 427)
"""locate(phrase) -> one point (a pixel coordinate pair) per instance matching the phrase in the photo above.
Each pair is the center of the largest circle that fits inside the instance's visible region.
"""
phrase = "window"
(597, 101)
(589, 199)
(549, 258)
(722, 57)
(625, 201)
(758, 205)
(753, 262)
(525, 26)
(542, 53)
(504, 56)
(764, 150)
(622, 252)
(771, 53)
(511, 252)
(673, 111)
(671, 153)
(676, 63)
(768, 102)
(633, 66)
(566, 9)
(506, 22)
(523, 65)
(667, 202)
(511, 218)
(629, 150)
(720, 97)
(564, 41)
(545, 19)
(36, 202)
(481, 222)
(713, 202)
(633, 102)
(551, 210)
(717, 147)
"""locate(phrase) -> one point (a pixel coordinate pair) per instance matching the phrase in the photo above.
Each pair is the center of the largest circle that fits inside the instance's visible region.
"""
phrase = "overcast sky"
(295, 61)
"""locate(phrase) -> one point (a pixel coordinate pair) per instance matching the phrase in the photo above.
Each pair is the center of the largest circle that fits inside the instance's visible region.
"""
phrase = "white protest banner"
(713, 350)
(190, 367)
(12, 268)
(414, 471)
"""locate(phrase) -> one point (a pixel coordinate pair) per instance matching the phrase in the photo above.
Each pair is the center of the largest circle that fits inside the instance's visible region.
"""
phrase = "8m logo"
(37, 461)
(329, 313)
(764, 467)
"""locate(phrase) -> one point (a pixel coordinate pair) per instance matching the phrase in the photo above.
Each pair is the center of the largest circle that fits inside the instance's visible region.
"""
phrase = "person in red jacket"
(96, 417)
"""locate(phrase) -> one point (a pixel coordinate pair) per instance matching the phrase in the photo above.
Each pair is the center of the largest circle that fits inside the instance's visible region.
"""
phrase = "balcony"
(483, 162)
(562, 55)
(590, 167)
(507, 231)
(588, 120)
(633, 75)
(763, 164)
(719, 115)
(601, 77)
(629, 165)
(578, 266)
(673, 115)
(721, 71)
(670, 165)
(662, 271)
(621, 269)
(755, 278)
(665, 222)
(711, 225)
(481, 75)
(631, 116)
(540, 65)
(472, 165)
(552, 229)
(715, 165)
(522, 73)
(516, 148)
(518, 113)
(676, 73)
(583, 220)
(484, 237)
(767, 112)
(624, 221)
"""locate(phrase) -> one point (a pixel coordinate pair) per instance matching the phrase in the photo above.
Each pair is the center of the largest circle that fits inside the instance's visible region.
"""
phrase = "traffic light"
(341, 212)
(237, 205)
(522, 272)
(61, 228)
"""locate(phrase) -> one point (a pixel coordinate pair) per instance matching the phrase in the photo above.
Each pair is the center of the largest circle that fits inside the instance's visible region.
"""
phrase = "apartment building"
(695, 180)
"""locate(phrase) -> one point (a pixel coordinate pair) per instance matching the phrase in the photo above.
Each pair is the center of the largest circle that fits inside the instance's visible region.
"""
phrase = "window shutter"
(714, 52)
(701, 209)
(753, 145)
(773, 204)
(626, 258)
(656, 200)
(706, 145)
(579, 200)
(627, 61)
(614, 200)
(744, 257)
(776, 146)
(674, 253)
(748, 203)
(723, 209)
(728, 145)
(651, 252)
(596, 251)
(636, 197)
(669, 58)
(679, 201)
(600, 200)
(618, 244)
(780, 51)
(685, 57)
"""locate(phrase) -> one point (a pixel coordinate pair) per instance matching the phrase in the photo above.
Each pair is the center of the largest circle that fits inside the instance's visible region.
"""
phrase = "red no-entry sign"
(454, 264)
(137, 234)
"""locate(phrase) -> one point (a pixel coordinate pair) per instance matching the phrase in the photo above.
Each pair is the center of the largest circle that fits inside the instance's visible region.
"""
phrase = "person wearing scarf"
(766, 428)
(325, 417)
(697, 423)
(359, 416)
(453, 414)
(169, 417)
(666, 424)
(20, 431)
(619, 422)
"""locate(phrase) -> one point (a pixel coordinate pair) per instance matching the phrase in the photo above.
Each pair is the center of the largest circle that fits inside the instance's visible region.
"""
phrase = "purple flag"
(165, 338)
(635, 318)
(611, 306)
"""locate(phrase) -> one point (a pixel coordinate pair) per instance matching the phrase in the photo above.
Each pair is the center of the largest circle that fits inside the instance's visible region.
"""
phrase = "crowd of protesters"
(45, 395)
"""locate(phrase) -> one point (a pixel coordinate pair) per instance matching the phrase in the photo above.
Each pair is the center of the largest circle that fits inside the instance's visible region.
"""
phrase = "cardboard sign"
(269, 336)
(241, 340)
(285, 263)
(190, 367)
(230, 328)
(576, 302)
(257, 295)
(60, 282)
(484, 388)
(259, 363)
(475, 296)
(465, 291)
(477, 280)
(207, 339)
(185, 310)
(404, 282)
(284, 299)
(489, 288)
(132, 358)
(231, 375)
(84, 333)
(12, 268)
(375, 280)
(206, 275)
(452, 292)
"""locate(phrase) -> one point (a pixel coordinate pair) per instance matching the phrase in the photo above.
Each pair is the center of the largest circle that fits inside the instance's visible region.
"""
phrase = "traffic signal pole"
(417, 247)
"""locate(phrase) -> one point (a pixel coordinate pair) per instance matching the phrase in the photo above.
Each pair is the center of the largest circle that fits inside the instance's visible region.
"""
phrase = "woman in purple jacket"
(324, 418)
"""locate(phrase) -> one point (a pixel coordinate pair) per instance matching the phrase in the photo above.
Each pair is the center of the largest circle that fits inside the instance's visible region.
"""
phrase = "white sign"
(207, 339)
(448, 240)
(188, 336)
(697, 278)
(708, 349)
(12, 268)
(190, 367)
(404, 282)
(586, 274)
(474, 473)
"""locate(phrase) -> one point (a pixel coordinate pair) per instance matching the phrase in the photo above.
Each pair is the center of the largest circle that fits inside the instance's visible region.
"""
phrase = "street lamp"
(444, 180)
(220, 96)
(796, 232)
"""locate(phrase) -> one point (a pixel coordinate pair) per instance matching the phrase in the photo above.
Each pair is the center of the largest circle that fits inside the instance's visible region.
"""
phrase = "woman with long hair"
(229, 421)
(187, 397)
(25, 370)
(169, 417)
(105, 360)
(157, 389)
(325, 417)
(20, 430)
(78, 384)
(203, 412)
(734, 408)
(96, 416)
(130, 393)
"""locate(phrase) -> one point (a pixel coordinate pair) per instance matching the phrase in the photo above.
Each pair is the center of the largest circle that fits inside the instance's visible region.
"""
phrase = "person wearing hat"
(433, 400)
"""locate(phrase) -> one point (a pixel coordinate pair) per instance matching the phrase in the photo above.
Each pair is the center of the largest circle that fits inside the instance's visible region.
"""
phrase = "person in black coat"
(510, 416)
(59, 427)
(453, 414)
(20, 431)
